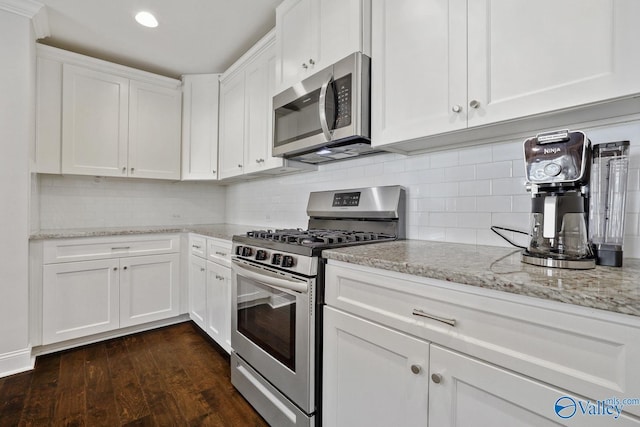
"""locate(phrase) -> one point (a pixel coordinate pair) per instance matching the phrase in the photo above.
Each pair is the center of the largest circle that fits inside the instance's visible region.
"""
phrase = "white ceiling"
(193, 36)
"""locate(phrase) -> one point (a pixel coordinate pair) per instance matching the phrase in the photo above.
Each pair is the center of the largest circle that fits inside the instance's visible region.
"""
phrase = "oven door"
(273, 328)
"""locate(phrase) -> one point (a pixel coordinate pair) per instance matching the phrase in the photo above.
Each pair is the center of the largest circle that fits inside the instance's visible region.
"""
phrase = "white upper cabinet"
(440, 66)
(313, 34)
(200, 127)
(95, 122)
(232, 126)
(115, 120)
(154, 131)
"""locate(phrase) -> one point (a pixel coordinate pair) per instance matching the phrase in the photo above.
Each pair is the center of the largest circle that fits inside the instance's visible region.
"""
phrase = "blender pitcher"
(609, 172)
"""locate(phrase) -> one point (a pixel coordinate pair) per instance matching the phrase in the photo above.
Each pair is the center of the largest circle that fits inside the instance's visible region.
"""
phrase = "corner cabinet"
(313, 34)
(115, 121)
(200, 126)
(405, 350)
(440, 66)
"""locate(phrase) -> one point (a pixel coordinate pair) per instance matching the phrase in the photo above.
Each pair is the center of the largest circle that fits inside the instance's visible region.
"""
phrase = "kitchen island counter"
(219, 231)
(607, 288)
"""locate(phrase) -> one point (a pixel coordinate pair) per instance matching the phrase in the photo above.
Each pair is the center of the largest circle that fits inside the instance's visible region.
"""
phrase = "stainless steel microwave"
(326, 117)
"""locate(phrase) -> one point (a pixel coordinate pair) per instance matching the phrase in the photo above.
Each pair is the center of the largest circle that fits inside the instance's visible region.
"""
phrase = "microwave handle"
(323, 112)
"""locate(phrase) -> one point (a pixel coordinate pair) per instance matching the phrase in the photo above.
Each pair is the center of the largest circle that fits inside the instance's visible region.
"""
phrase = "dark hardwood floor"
(173, 376)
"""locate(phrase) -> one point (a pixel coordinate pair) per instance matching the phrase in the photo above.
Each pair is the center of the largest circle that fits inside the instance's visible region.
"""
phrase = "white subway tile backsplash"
(453, 195)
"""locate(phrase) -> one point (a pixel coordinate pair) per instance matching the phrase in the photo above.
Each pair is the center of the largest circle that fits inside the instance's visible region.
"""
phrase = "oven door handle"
(269, 278)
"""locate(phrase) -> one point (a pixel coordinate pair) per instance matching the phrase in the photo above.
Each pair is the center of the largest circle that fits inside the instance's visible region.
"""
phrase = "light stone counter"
(220, 231)
(606, 288)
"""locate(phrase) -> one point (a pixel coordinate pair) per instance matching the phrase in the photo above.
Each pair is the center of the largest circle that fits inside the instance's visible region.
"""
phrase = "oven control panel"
(300, 264)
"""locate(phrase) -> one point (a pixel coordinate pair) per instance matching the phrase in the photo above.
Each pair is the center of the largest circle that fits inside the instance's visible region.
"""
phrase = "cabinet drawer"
(590, 352)
(82, 249)
(219, 251)
(198, 245)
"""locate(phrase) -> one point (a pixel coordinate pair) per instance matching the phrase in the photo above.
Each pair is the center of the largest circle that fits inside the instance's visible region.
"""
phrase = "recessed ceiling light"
(146, 19)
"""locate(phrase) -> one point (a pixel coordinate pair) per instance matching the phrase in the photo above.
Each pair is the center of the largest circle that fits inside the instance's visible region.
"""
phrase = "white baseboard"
(16, 362)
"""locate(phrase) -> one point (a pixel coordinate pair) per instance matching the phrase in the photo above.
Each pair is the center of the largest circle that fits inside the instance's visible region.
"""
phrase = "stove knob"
(276, 259)
(261, 255)
(287, 261)
(238, 250)
(246, 251)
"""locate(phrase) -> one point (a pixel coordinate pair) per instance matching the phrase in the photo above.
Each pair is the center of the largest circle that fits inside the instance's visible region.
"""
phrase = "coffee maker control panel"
(557, 158)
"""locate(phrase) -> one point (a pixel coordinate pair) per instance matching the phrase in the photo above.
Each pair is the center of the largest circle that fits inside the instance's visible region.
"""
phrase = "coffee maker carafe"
(557, 170)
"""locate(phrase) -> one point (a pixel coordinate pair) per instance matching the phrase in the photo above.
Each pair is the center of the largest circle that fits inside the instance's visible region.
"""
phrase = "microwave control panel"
(342, 87)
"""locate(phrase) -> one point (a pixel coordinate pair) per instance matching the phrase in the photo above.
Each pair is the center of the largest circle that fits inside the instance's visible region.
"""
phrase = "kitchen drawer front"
(84, 249)
(198, 245)
(590, 352)
(219, 251)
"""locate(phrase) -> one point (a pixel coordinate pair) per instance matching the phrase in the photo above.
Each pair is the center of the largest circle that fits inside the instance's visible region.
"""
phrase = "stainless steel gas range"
(278, 292)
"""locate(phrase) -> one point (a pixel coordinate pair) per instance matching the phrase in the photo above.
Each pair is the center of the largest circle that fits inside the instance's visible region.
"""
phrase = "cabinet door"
(154, 131)
(293, 40)
(200, 127)
(418, 73)
(373, 375)
(198, 290)
(338, 30)
(219, 304)
(470, 392)
(149, 288)
(94, 122)
(232, 126)
(78, 299)
(550, 56)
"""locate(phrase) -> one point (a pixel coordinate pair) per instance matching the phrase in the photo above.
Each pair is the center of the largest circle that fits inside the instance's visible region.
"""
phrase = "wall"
(17, 84)
(453, 195)
(86, 201)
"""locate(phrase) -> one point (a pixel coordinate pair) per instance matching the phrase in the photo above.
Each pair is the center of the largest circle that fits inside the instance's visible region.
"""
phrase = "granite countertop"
(220, 231)
(606, 288)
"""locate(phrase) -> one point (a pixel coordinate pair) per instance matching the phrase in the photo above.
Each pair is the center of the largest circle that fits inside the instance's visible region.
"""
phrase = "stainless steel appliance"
(557, 170)
(278, 292)
(326, 117)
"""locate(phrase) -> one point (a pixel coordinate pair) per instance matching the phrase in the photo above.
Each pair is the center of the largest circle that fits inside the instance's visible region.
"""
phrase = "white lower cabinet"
(79, 299)
(90, 285)
(210, 287)
(218, 322)
(372, 375)
(410, 351)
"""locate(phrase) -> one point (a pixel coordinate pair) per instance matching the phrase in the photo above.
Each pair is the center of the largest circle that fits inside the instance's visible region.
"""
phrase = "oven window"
(267, 317)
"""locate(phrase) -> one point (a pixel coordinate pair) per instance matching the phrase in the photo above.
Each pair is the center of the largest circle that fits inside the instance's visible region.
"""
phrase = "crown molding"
(31, 9)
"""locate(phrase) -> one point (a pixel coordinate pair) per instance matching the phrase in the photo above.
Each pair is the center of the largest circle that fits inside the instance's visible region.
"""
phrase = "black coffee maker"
(557, 170)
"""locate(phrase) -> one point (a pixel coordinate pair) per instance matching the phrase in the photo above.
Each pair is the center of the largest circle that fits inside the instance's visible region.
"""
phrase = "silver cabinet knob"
(132, 169)
(202, 269)
(304, 65)
(416, 369)
(474, 104)
(124, 169)
(213, 171)
(312, 62)
(240, 166)
(115, 268)
(436, 378)
(456, 108)
(124, 268)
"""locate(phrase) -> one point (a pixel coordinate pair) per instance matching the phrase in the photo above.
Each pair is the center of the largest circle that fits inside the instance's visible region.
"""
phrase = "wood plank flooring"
(173, 376)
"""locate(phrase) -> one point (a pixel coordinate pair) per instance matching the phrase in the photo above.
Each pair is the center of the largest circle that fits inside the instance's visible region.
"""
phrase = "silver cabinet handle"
(124, 268)
(416, 369)
(418, 312)
(214, 171)
(124, 169)
(221, 253)
(304, 65)
(219, 277)
(436, 378)
(132, 169)
(312, 62)
(456, 108)
(202, 269)
(121, 248)
(474, 104)
(196, 246)
(239, 165)
(115, 268)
